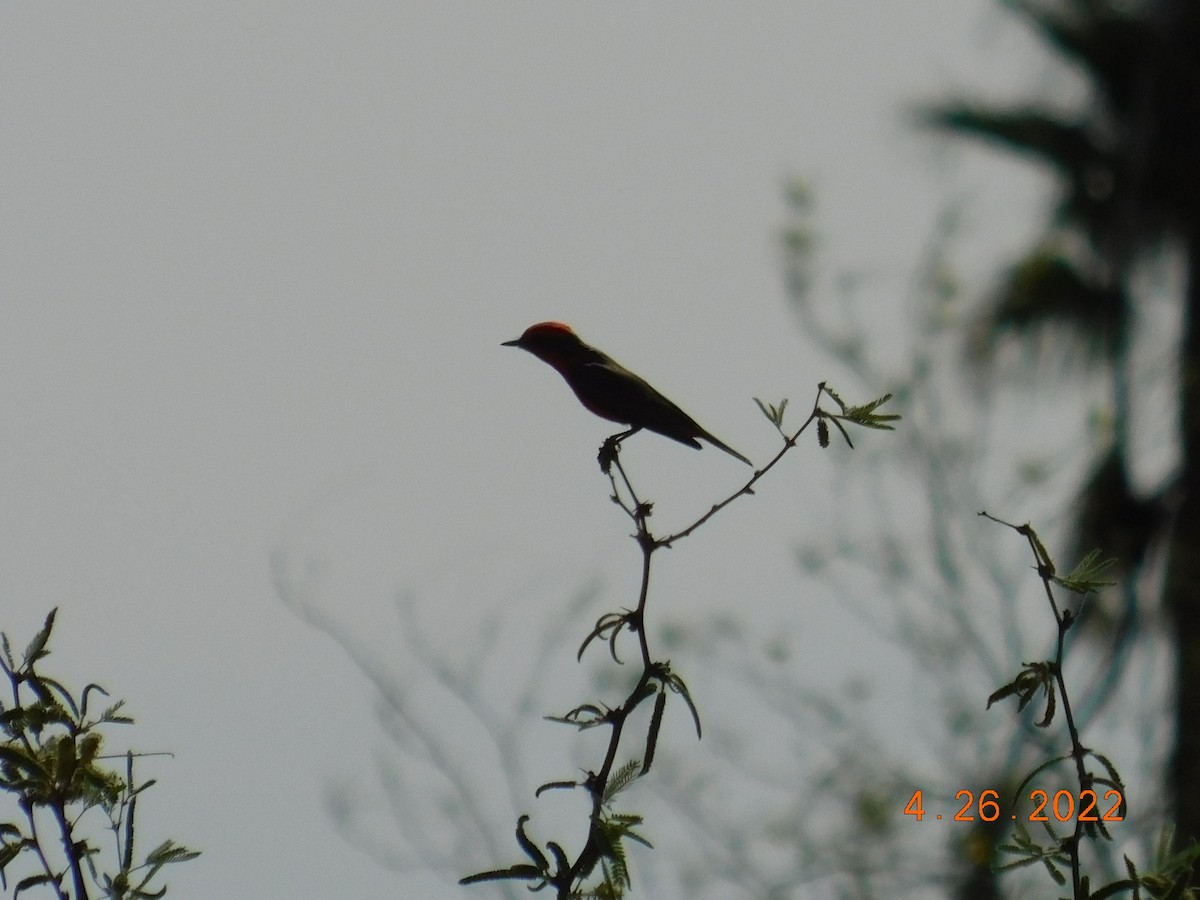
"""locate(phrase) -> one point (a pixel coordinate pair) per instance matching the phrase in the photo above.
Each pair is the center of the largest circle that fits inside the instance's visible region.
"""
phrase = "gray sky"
(256, 262)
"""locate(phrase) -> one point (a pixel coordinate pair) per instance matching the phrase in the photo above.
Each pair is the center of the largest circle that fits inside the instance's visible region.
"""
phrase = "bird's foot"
(608, 452)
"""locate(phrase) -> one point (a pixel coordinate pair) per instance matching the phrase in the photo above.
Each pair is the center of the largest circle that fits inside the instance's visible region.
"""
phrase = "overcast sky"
(257, 260)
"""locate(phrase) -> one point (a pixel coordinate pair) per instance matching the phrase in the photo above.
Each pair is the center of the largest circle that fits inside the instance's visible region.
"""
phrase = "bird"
(611, 391)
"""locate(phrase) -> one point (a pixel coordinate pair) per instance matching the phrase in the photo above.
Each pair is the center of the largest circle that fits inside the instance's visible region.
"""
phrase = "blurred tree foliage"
(1129, 168)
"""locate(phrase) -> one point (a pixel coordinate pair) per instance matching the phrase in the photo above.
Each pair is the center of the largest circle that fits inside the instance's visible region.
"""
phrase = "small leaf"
(1085, 577)
(1000, 693)
(65, 760)
(555, 786)
(33, 881)
(83, 697)
(866, 416)
(833, 394)
(582, 717)
(675, 683)
(560, 857)
(522, 872)
(1109, 767)
(609, 624)
(530, 848)
(37, 647)
(660, 703)
(169, 852)
(1034, 677)
(1051, 705)
(621, 779)
(773, 413)
(1059, 877)
(846, 436)
(9, 852)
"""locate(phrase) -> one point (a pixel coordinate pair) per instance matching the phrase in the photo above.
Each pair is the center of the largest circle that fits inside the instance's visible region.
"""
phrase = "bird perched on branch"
(611, 391)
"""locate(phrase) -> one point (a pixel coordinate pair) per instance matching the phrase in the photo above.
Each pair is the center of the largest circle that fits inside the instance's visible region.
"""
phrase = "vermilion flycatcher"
(609, 390)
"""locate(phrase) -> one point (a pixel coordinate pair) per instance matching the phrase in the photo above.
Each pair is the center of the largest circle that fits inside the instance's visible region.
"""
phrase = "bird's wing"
(610, 390)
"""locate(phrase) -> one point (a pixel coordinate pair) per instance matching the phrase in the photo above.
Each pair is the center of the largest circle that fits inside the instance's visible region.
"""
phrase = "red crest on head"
(552, 342)
(548, 328)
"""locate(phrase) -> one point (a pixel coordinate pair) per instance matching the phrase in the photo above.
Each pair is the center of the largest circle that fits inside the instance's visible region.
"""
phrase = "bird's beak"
(515, 342)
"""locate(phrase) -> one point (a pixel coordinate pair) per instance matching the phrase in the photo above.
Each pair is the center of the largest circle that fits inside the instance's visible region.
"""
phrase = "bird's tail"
(723, 446)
